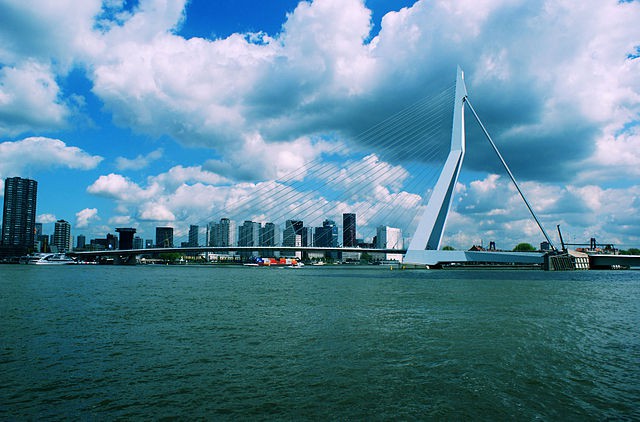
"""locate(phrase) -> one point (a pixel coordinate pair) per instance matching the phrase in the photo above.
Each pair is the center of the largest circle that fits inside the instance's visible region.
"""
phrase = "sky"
(149, 113)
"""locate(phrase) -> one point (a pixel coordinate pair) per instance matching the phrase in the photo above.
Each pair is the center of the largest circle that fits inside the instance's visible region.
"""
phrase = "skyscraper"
(164, 237)
(327, 235)
(194, 240)
(349, 230)
(223, 233)
(269, 235)
(249, 234)
(82, 240)
(62, 236)
(292, 229)
(19, 214)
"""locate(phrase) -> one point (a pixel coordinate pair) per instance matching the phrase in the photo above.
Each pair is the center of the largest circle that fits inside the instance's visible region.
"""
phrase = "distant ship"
(51, 259)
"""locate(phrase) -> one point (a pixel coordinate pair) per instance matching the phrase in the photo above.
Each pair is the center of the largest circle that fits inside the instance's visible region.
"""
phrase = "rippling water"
(317, 343)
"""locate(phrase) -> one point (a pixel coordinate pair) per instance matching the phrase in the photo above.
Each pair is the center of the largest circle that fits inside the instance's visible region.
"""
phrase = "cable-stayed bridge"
(384, 188)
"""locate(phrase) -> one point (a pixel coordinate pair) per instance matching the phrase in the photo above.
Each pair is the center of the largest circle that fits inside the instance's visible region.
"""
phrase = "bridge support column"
(428, 235)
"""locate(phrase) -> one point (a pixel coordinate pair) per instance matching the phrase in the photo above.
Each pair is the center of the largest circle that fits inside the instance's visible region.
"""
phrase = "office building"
(110, 242)
(349, 230)
(194, 240)
(164, 237)
(388, 238)
(44, 243)
(81, 241)
(138, 242)
(62, 236)
(148, 243)
(19, 215)
(292, 229)
(327, 235)
(126, 237)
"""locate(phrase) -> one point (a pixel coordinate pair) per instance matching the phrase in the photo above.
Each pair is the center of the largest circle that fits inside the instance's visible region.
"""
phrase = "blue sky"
(141, 113)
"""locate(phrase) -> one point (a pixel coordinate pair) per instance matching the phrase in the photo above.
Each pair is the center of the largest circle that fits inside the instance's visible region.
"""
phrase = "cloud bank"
(556, 83)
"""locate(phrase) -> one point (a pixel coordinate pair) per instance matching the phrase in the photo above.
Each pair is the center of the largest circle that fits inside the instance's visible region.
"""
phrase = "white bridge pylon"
(424, 248)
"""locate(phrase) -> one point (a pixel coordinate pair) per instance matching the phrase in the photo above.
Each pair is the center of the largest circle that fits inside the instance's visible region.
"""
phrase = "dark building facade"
(194, 240)
(327, 235)
(268, 235)
(292, 229)
(81, 241)
(249, 234)
(19, 214)
(349, 230)
(126, 237)
(164, 237)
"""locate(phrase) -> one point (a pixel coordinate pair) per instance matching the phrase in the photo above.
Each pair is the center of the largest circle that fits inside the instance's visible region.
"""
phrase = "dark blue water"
(317, 343)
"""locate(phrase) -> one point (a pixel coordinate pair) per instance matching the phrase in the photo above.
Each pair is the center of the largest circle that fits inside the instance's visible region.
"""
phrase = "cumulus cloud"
(43, 153)
(85, 217)
(323, 73)
(557, 84)
(139, 162)
(120, 188)
(46, 218)
(30, 98)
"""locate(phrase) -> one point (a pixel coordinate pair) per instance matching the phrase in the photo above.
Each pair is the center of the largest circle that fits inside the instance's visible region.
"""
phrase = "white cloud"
(155, 212)
(556, 83)
(138, 163)
(46, 218)
(85, 217)
(30, 99)
(119, 188)
(43, 153)
(121, 220)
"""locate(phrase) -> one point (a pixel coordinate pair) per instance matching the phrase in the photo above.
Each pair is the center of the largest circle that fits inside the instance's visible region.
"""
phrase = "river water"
(337, 343)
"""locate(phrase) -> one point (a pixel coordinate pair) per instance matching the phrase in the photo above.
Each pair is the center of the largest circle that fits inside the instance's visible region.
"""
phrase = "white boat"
(51, 259)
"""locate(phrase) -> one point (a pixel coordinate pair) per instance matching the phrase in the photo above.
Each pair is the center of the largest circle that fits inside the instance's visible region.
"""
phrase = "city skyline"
(226, 234)
(149, 113)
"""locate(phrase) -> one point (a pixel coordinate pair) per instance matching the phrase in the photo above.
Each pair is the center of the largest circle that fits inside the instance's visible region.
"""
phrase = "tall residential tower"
(19, 214)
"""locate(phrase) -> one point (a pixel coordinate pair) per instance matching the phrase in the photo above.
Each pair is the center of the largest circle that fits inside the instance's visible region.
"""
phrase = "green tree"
(524, 247)
(448, 248)
(631, 251)
(170, 256)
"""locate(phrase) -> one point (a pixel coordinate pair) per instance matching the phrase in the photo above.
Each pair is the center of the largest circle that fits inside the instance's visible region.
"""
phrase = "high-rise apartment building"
(223, 233)
(62, 236)
(164, 237)
(19, 214)
(349, 230)
(269, 235)
(249, 234)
